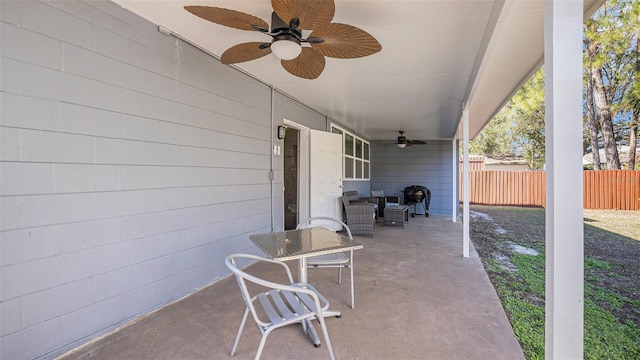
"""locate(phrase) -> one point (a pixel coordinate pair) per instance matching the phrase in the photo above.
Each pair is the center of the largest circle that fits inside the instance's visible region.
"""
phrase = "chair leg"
(326, 336)
(235, 344)
(340, 275)
(353, 301)
(263, 340)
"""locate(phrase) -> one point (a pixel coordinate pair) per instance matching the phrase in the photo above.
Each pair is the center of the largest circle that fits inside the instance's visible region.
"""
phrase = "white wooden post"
(466, 193)
(455, 184)
(564, 332)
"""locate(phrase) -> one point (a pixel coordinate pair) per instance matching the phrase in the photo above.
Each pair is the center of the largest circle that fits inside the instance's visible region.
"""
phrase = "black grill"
(417, 195)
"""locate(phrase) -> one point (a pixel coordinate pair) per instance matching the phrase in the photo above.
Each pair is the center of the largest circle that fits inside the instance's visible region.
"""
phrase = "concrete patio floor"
(416, 298)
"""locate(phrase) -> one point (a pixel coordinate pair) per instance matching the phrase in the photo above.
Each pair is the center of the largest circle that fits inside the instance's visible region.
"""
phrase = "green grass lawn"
(625, 223)
(612, 276)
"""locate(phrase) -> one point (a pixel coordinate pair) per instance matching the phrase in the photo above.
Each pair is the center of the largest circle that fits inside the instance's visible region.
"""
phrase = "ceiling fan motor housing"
(288, 37)
(280, 26)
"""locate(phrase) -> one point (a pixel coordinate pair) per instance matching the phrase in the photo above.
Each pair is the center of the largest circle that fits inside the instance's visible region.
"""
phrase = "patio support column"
(466, 193)
(564, 307)
(455, 188)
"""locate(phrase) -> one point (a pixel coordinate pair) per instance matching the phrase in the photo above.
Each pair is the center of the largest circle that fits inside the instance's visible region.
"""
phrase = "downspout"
(466, 191)
(455, 183)
(272, 173)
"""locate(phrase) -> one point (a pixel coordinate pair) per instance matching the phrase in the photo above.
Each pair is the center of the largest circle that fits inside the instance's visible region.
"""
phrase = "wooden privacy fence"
(518, 188)
(613, 189)
(603, 189)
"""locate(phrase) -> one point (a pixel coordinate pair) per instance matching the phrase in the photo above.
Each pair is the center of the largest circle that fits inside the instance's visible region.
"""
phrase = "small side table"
(396, 215)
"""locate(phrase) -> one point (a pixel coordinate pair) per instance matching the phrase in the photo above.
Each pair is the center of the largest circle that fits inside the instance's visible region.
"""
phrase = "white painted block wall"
(130, 165)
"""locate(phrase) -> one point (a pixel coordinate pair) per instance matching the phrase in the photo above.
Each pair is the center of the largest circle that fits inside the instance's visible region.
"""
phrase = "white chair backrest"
(241, 276)
(307, 223)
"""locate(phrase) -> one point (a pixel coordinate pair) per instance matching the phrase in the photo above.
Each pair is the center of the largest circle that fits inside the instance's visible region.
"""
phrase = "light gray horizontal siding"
(130, 165)
(393, 169)
(362, 187)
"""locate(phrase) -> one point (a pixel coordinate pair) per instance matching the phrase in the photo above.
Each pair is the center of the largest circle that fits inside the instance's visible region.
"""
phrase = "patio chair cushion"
(384, 201)
(388, 200)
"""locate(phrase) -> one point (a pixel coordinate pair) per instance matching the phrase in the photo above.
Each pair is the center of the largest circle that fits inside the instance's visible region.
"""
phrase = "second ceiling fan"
(403, 142)
(288, 19)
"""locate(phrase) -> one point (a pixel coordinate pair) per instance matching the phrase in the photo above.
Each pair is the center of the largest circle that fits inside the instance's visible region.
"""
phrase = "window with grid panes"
(355, 155)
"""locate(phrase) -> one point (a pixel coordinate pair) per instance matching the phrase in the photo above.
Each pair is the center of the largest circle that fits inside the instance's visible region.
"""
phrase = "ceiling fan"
(288, 19)
(403, 142)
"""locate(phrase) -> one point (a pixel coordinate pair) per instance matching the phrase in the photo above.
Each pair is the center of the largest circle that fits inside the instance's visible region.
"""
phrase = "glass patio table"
(300, 245)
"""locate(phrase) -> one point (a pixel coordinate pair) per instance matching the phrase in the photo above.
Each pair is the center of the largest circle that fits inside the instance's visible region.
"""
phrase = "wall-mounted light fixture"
(281, 132)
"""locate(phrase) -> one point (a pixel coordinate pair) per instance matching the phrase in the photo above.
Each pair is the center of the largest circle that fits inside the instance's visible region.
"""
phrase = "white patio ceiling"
(436, 56)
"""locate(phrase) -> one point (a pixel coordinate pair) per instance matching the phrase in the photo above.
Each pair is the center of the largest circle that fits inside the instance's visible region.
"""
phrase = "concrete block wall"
(430, 165)
(130, 164)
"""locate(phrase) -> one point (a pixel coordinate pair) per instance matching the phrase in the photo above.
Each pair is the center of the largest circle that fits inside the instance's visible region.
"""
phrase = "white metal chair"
(281, 304)
(336, 260)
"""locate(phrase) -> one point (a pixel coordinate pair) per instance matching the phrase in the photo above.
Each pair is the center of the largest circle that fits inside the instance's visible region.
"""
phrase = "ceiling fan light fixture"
(286, 47)
(402, 145)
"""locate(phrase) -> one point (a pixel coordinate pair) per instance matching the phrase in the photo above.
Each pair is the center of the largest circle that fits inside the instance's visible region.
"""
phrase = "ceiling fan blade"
(345, 42)
(308, 65)
(416, 142)
(245, 52)
(312, 14)
(294, 23)
(313, 40)
(227, 17)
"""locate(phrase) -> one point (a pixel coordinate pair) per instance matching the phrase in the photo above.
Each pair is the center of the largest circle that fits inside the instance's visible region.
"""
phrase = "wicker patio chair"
(384, 201)
(353, 197)
(361, 217)
(336, 260)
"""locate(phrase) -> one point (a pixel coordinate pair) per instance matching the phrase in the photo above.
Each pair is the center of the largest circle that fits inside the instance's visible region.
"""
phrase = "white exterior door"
(325, 173)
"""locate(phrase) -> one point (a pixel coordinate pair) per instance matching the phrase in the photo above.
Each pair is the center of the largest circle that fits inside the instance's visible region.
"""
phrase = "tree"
(599, 95)
(635, 124)
(592, 122)
(495, 138)
(610, 57)
(630, 100)
(633, 97)
(518, 129)
(528, 114)
(612, 95)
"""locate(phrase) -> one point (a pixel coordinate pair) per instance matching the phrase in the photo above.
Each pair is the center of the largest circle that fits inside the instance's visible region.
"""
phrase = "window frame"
(360, 157)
